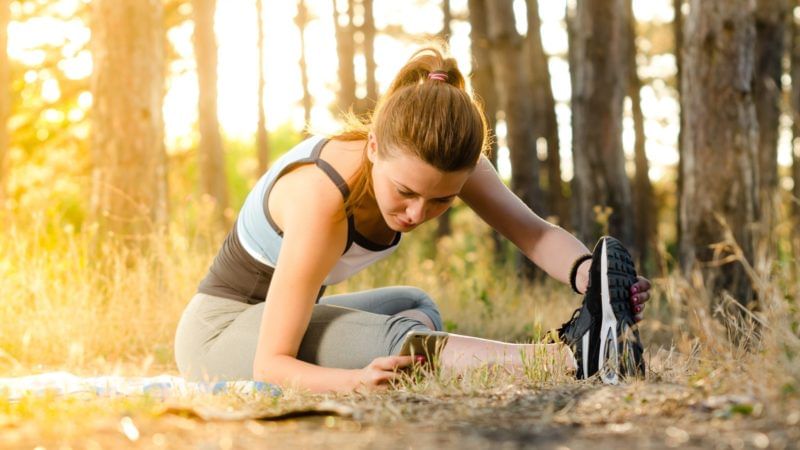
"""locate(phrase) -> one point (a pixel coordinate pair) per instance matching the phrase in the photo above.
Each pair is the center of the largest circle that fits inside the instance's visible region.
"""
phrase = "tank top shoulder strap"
(335, 177)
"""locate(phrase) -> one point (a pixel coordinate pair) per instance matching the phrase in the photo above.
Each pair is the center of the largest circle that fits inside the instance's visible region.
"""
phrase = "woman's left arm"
(549, 246)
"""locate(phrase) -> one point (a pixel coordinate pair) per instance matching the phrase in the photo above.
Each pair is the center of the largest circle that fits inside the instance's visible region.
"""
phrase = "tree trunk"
(483, 85)
(444, 226)
(720, 141)
(770, 19)
(345, 51)
(213, 180)
(262, 140)
(543, 123)
(368, 47)
(601, 188)
(677, 28)
(795, 111)
(301, 20)
(5, 96)
(513, 90)
(644, 208)
(129, 189)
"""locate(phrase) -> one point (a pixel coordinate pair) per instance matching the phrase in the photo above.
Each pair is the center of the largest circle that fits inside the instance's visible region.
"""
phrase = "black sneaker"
(602, 333)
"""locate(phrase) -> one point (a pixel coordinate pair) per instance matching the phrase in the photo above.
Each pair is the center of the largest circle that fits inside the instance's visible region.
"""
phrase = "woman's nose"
(416, 211)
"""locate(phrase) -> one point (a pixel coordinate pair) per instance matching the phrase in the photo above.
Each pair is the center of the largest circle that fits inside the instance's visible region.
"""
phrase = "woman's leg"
(464, 352)
(460, 352)
(407, 301)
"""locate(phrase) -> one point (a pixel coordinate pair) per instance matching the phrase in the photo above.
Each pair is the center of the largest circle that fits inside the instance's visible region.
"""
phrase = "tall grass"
(69, 303)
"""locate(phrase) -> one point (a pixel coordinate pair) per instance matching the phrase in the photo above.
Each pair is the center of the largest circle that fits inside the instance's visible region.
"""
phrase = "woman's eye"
(405, 194)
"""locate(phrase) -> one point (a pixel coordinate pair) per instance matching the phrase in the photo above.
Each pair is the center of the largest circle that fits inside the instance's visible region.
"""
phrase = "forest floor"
(642, 414)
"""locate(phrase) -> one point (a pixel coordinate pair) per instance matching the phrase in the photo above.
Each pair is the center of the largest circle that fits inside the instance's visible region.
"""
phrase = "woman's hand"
(382, 370)
(640, 294)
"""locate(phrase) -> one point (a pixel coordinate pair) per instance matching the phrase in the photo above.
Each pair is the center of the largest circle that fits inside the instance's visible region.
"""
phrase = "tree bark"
(301, 20)
(644, 209)
(601, 189)
(368, 47)
(129, 182)
(484, 86)
(720, 141)
(543, 123)
(262, 140)
(677, 28)
(770, 19)
(513, 91)
(444, 226)
(213, 180)
(795, 111)
(5, 96)
(345, 51)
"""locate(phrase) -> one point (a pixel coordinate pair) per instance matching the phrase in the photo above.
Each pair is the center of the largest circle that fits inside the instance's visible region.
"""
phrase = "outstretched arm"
(549, 246)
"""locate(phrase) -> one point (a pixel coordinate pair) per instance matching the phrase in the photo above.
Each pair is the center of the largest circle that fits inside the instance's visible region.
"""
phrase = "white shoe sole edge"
(608, 329)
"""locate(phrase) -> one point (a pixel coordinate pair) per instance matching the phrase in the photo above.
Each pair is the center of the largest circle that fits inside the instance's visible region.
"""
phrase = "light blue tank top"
(261, 237)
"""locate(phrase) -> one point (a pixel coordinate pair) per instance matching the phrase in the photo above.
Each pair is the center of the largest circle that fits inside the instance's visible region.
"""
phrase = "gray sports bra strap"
(334, 176)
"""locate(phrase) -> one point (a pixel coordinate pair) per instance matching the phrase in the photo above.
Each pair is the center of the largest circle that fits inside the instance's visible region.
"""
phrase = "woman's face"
(409, 191)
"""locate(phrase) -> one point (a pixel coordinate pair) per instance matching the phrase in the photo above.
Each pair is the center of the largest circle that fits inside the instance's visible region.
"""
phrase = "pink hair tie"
(438, 75)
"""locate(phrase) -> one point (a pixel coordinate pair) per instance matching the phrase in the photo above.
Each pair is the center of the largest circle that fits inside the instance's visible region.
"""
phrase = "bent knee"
(425, 304)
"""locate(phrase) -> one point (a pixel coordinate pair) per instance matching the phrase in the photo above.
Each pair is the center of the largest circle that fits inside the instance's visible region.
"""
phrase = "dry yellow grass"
(68, 304)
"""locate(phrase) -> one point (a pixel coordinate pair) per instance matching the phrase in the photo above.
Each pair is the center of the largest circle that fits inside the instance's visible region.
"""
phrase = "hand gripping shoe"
(602, 333)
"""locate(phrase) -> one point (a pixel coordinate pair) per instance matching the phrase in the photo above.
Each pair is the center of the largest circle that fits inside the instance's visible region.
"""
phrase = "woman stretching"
(332, 206)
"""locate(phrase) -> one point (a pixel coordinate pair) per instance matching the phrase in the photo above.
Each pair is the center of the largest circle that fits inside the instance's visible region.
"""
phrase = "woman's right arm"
(309, 210)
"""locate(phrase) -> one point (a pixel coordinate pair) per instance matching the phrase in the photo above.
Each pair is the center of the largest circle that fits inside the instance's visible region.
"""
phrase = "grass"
(69, 303)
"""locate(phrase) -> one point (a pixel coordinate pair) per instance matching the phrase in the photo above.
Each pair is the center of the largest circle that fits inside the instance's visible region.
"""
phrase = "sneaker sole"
(620, 351)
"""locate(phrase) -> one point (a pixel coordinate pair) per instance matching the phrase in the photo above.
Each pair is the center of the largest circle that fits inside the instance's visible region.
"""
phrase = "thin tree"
(213, 180)
(511, 78)
(770, 18)
(720, 142)
(262, 141)
(129, 174)
(346, 52)
(644, 209)
(543, 123)
(368, 49)
(301, 20)
(483, 84)
(601, 189)
(795, 111)
(5, 95)
(677, 29)
(444, 227)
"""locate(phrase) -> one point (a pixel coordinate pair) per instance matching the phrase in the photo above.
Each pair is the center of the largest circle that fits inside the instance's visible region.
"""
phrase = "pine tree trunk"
(644, 208)
(368, 46)
(601, 189)
(213, 180)
(544, 123)
(483, 85)
(795, 111)
(508, 61)
(720, 140)
(345, 50)
(5, 96)
(677, 28)
(770, 17)
(301, 20)
(129, 189)
(262, 140)
(444, 226)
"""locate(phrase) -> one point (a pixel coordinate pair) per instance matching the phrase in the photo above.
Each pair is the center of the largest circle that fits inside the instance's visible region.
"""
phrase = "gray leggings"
(216, 337)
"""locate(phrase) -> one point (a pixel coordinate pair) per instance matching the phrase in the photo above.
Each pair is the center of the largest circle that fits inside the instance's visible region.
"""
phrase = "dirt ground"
(579, 415)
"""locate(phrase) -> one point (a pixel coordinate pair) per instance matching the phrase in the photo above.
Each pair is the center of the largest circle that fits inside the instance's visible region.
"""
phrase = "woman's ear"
(372, 148)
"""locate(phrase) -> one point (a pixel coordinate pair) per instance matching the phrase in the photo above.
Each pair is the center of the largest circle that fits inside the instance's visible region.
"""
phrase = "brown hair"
(437, 121)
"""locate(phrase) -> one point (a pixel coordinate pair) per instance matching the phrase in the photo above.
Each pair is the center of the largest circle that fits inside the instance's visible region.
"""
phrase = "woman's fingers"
(389, 363)
(640, 294)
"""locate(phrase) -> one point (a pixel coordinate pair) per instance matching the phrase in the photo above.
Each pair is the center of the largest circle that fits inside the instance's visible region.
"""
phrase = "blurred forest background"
(133, 129)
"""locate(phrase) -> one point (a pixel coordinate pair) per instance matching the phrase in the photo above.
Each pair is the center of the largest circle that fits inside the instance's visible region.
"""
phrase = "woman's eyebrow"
(411, 191)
